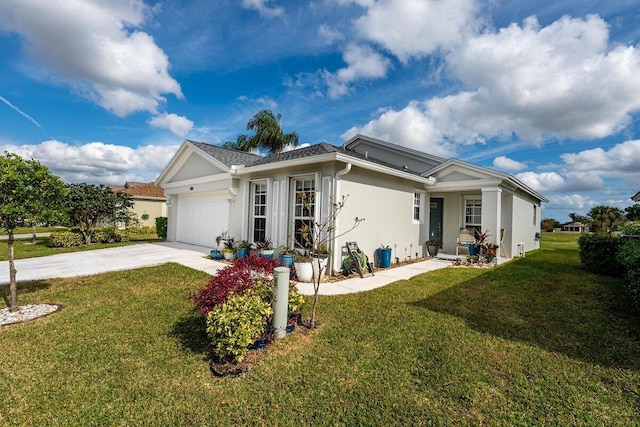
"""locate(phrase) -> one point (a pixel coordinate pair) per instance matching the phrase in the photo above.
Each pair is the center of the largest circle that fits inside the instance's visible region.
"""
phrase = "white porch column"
(492, 213)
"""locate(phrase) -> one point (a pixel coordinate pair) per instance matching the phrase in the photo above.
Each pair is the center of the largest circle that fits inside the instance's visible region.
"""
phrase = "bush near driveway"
(65, 239)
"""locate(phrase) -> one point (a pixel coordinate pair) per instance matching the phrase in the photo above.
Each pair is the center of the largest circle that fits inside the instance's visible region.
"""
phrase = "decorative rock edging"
(26, 313)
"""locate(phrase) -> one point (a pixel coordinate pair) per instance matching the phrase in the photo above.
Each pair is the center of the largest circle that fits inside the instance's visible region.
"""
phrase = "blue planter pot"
(287, 260)
(215, 254)
(385, 257)
(242, 252)
(473, 250)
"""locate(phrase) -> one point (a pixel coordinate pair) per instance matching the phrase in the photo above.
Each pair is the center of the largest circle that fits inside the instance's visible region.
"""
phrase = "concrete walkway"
(145, 255)
(381, 278)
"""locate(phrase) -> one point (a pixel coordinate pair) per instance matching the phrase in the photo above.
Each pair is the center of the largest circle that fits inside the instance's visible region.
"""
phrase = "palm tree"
(606, 216)
(268, 135)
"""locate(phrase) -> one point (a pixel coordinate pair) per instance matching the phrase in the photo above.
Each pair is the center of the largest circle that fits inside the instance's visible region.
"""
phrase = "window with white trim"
(417, 208)
(473, 212)
(259, 211)
(304, 208)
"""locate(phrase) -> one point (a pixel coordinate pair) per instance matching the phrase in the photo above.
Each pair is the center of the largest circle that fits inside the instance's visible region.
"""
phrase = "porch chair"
(464, 240)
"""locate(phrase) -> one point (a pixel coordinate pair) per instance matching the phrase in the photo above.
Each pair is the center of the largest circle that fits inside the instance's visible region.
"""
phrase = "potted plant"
(265, 248)
(243, 249)
(304, 270)
(384, 256)
(229, 254)
(433, 246)
(320, 259)
(223, 239)
(286, 255)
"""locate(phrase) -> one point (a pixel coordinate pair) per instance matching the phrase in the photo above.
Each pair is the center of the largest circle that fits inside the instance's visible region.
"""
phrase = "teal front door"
(435, 219)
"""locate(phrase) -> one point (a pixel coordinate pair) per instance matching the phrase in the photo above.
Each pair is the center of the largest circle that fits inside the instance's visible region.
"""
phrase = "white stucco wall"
(387, 206)
(525, 228)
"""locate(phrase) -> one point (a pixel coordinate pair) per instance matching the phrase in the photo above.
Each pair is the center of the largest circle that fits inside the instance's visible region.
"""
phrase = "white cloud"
(507, 164)
(179, 125)
(553, 182)
(620, 159)
(94, 46)
(572, 202)
(263, 100)
(362, 63)
(563, 80)
(263, 8)
(97, 162)
(329, 35)
(416, 28)
(408, 127)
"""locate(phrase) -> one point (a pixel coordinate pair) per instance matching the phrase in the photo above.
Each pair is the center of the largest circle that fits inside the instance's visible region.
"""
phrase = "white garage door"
(202, 217)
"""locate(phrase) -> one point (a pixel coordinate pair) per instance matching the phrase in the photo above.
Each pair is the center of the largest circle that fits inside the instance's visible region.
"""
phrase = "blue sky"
(104, 92)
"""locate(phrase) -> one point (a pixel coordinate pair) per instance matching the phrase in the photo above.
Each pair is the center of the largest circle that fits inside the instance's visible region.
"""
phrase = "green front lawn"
(534, 342)
(24, 248)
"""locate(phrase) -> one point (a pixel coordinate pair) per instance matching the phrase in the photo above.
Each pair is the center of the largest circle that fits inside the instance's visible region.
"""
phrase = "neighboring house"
(149, 201)
(636, 198)
(577, 227)
(405, 196)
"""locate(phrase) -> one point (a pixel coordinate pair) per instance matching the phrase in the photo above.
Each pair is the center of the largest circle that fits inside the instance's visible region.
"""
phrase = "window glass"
(304, 207)
(259, 217)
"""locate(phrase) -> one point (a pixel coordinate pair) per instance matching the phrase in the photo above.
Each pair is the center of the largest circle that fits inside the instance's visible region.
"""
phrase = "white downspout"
(336, 262)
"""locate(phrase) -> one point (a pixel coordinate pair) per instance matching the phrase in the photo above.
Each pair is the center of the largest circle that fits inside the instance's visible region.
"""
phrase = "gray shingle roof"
(300, 153)
(234, 157)
(226, 156)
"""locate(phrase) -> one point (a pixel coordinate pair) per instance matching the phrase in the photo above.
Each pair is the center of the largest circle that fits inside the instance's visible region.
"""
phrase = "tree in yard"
(548, 224)
(28, 192)
(633, 212)
(317, 234)
(268, 135)
(88, 206)
(606, 217)
(579, 218)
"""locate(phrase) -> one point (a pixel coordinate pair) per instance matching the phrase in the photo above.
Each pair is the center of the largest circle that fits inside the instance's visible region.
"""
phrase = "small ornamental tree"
(318, 234)
(28, 192)
(88, 206)
(548, 224)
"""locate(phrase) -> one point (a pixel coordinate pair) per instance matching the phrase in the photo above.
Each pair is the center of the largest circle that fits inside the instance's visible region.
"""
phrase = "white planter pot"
(304, 270)
(229, 256)
(323, 263)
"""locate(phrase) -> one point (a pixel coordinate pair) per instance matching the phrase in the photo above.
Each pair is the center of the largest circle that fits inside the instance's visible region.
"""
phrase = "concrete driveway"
(112, 259)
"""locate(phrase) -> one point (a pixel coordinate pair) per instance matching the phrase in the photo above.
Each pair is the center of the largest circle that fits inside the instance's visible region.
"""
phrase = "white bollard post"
(280, 301)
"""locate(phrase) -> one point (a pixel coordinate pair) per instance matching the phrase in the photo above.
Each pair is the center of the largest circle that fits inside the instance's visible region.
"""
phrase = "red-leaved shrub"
(235, 279)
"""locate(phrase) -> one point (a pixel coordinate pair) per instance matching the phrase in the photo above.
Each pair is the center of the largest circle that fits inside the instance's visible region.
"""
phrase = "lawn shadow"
(191, 332)
(24, 288)
(550, 304)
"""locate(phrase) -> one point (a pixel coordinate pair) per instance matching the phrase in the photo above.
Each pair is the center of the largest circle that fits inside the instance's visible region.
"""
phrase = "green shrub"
(142, 229)
(110, 234)
(598, 254)
(236, 324)
(65, 239)
(161, 227)
(632, 228)
(629, 258)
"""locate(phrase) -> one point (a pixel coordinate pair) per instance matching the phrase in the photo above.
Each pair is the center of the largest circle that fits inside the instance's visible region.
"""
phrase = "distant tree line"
(600, 219)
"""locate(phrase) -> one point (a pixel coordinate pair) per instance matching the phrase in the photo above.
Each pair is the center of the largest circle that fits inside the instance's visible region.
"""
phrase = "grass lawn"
(24, 248)
(534, 342)
(29, 230)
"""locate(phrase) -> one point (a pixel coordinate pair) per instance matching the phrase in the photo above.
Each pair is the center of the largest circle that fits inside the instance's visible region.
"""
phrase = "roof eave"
(329, 157)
